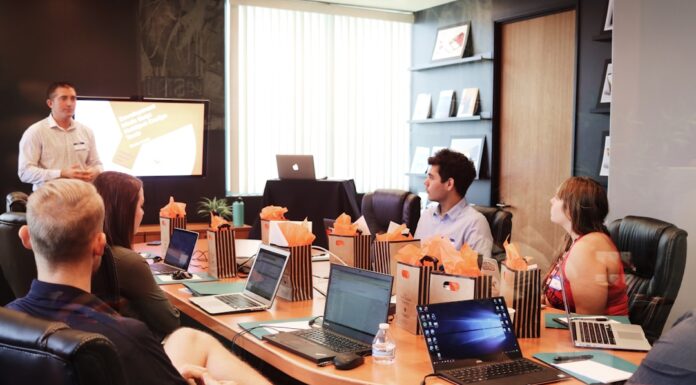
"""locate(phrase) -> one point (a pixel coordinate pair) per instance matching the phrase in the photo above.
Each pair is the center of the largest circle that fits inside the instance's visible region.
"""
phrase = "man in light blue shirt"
(450, 175)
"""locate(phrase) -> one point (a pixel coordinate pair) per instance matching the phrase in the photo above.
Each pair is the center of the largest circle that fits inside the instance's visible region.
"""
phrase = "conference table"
(412, 361)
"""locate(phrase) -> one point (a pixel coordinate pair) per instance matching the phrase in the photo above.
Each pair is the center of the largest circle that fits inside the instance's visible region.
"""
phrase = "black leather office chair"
(654, 254)
(381, 206)
(35, 351)
(16, 201)
(500, 222)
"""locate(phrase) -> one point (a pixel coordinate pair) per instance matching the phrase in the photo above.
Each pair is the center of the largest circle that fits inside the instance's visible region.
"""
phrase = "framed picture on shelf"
(604, 99)
(609, 17)
(604, 165)
(452, 42)
(472, 147)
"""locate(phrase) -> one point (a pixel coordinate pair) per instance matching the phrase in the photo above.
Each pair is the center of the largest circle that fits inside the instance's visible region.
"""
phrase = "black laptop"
(179, 252)
(357, 301)
(474, 342)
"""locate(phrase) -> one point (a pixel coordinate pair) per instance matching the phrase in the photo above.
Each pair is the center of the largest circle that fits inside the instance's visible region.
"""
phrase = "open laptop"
(260, 289)
(588, 333)
(179, 252)
(357, 301)
(295, 166)
(474, 342)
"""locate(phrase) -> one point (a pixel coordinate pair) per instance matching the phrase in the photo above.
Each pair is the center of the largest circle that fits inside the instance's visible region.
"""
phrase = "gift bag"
(265, 226)
(296, 284)
(447, 287)
(383, 253)
(222, 261)
(412, 285)
(522, 292)
(352, 250)
(167, 226)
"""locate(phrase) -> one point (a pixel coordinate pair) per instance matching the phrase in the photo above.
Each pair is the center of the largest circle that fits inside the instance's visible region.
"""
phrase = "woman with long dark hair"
(142, 298)
(589, 266)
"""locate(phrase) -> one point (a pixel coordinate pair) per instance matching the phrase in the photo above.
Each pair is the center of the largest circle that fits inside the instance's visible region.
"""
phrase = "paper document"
(595, 370)
(278, 327)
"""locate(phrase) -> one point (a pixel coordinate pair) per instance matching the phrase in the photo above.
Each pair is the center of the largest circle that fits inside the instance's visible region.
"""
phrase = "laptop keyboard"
(237, 301)
(162, 268)
(335, 342)
(487, 372)
(595, 333)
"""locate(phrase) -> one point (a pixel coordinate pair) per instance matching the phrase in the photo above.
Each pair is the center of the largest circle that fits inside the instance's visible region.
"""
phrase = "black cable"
(429, 375)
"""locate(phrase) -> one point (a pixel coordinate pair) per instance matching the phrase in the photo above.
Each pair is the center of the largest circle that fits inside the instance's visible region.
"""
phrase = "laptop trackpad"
(627, 335)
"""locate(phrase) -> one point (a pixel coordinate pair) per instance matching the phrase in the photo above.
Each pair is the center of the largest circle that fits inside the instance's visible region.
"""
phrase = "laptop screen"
(357, 301)
(180, 249)
(459, 334)
(266, 273)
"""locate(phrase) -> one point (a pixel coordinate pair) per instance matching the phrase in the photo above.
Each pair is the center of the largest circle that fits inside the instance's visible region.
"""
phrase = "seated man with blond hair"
(64, 229)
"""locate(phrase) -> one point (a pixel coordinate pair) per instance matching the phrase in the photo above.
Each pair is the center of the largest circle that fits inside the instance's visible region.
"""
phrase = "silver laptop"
(260, 289)
(588, 333)
(295, 167)
(179, 252)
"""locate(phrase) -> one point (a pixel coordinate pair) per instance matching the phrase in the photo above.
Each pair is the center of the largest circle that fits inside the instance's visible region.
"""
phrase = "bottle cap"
(384, 326)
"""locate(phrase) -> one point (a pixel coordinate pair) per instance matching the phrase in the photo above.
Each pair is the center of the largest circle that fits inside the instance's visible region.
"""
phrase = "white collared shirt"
(45, 149)
(462, 223)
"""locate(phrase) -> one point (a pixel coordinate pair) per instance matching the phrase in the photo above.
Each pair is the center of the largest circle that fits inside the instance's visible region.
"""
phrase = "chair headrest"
(641, 237)
(16, 219)
(16, 201)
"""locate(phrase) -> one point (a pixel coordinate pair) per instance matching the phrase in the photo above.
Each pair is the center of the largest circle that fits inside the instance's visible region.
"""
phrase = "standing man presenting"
(58, 146)
(450, 175)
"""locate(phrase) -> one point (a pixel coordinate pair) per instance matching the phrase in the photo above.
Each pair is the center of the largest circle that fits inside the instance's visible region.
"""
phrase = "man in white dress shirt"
(450, 175)
(58, 146)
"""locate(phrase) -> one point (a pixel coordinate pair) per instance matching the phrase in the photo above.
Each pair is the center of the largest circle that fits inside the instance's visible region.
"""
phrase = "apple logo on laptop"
(295, 167)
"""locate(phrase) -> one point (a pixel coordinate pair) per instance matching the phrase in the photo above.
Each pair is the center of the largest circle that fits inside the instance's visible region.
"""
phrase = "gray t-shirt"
(672, 359)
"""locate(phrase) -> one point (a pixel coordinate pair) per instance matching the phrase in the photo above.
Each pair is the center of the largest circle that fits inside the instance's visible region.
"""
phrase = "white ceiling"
(394, 5)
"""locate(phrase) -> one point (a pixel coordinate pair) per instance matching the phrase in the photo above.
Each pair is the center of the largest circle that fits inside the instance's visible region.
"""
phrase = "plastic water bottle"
(383, 346)
(238, 213)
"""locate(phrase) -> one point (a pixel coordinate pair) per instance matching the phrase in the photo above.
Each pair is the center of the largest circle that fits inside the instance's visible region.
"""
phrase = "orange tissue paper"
(216, 222)
(513, 258)
(397, 234)
(343, 226)
(173, 209)
(410, 254)
(296, 234)
(273, 213)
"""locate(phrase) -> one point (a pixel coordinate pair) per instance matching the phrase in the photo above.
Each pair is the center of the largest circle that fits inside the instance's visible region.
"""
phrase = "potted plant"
(215, 206)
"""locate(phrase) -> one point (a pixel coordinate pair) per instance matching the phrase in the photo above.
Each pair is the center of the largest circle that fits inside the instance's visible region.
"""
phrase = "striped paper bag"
(447, 287)
(522, 292)
(167, 226)
(352, 250)
(412, 289)
(383, 253)
(296, 284)
(222, 261)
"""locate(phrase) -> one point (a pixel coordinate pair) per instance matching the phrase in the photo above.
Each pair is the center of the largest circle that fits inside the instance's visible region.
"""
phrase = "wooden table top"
(412, 361)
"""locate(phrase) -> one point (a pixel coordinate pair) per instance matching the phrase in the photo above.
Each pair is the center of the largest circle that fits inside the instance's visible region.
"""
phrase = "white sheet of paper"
(596, 371)
(362, 226)
(393, 226)
(276, 328)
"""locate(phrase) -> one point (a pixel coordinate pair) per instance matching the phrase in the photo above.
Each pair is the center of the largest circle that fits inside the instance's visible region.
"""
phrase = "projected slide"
(146, 138)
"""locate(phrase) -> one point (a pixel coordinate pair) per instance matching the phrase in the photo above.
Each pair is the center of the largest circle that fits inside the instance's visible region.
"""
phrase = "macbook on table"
(357, 301)
(260, 289)
(474, 342)
(295, 167)
(588, 333)
(179, 252)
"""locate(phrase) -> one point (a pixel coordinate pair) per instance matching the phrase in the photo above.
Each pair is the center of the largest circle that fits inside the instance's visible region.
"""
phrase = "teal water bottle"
(238, 213)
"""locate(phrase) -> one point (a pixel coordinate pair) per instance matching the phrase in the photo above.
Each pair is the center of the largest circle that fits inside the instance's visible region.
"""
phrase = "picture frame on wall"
(604, 99)
(472, 147)
(606, 145)
(609, 17)
(452, 42)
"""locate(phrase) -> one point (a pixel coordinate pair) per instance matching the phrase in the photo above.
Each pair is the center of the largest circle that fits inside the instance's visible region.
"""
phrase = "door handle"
(502, 205)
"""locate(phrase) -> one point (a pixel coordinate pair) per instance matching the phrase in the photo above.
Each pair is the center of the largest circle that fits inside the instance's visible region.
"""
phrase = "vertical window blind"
(336, 87)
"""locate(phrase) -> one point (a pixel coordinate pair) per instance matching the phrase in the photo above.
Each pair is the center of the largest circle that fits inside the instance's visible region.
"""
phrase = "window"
(333, 86)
